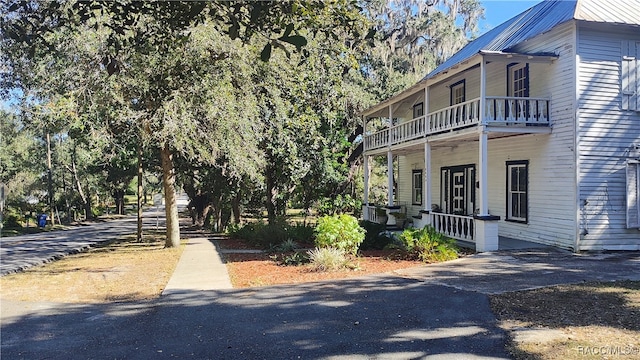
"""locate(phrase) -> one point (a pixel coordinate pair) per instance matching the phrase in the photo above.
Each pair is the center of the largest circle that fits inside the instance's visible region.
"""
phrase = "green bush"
(327, 259)
(12, 221)
(376, 237)
(294, 259)
(261, 234)
(339, 231)
(287, 246)
(300, 232)
(272, 235)
(429, 245)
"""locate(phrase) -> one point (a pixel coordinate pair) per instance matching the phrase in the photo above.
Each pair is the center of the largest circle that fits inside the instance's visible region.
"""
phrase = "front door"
(458, 189)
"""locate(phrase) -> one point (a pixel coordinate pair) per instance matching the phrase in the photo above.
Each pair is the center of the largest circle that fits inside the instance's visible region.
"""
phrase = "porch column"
(486, 226)
(427, 176)
(390, 162)
(390, 178)
(366, 179)
(482, 173)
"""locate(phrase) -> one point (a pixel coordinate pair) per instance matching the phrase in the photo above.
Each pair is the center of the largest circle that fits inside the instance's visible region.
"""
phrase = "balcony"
(498, 111)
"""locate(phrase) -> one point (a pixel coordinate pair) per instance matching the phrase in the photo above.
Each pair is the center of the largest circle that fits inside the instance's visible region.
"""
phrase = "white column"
(390, 178)
(427, 176)
(482, 173)
(483, 90)
(366, 179)
(390, 162)
(482, 156)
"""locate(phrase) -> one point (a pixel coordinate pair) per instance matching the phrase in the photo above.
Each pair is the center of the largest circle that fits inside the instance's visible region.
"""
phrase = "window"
(416, 197)
(630, 75)
(456, 95)
(418, 110)
(518, 80)
(633, 194)
(517, 190)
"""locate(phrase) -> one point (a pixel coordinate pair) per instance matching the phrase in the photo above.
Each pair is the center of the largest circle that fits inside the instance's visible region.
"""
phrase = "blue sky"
(498, 11)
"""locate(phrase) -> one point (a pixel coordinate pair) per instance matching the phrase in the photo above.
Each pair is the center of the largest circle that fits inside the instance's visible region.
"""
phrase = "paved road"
(20, 252)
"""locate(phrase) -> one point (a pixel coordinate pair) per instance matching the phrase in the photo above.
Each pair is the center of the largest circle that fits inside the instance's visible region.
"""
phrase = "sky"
(498, 11)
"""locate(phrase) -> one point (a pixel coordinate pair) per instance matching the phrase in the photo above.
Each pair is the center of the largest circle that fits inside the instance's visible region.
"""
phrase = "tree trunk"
(171, 205)
(235, 207)
(118, 198)
(272, 195)
(50, 179)
(140, 190)
(86, 202)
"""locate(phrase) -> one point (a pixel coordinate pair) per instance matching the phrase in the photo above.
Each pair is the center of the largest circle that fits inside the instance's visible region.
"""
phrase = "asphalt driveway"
(380, 317)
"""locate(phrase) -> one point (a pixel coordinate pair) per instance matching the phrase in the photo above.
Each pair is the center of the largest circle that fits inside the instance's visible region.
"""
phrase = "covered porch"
(434, 115)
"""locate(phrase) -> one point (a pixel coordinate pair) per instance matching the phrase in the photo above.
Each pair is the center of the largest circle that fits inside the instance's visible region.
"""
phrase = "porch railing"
(511, 111)
(371, 214)
(454, 226)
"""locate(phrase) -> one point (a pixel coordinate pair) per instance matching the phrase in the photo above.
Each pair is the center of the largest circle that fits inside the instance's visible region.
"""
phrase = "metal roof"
(533, 21)
(612, 11)
(542, 18)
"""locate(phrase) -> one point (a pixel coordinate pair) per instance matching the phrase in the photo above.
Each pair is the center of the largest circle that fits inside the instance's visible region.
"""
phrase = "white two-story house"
(530, 132)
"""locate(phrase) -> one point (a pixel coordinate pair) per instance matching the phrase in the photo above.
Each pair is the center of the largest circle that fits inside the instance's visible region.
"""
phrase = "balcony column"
(483, 91)
(425, 107)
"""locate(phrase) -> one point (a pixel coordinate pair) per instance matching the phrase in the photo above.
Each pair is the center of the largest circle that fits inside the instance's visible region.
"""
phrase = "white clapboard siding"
(606, 135)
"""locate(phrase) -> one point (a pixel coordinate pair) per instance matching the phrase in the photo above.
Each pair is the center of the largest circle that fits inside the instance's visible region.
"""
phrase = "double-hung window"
(416, 186)
(418, 110)
(457, 96)
(517, 190)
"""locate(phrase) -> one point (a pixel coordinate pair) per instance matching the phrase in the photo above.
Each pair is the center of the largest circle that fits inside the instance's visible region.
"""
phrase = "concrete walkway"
(200, 268)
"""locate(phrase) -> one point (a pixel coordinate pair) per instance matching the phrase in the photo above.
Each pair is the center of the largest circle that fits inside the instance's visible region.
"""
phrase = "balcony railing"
(508, 111)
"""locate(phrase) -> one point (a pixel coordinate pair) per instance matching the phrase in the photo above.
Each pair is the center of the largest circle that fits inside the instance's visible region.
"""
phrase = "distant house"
(530, 132)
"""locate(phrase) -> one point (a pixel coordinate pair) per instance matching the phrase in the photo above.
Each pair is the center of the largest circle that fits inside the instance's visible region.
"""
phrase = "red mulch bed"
(249, 270)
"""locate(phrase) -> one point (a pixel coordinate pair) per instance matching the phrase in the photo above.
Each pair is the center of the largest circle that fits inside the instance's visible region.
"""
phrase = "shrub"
(291, 259)
(429, 245)
(287, 246)
(376, 237)
(261, 234)
(327, 259)
(301, 232)
(339, 231)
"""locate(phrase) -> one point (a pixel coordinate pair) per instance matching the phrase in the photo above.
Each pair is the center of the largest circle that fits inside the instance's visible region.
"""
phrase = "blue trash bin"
(42, 220)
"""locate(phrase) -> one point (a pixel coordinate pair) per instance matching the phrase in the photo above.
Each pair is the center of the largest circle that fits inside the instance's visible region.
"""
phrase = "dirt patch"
(585, 321)
(124, 270)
